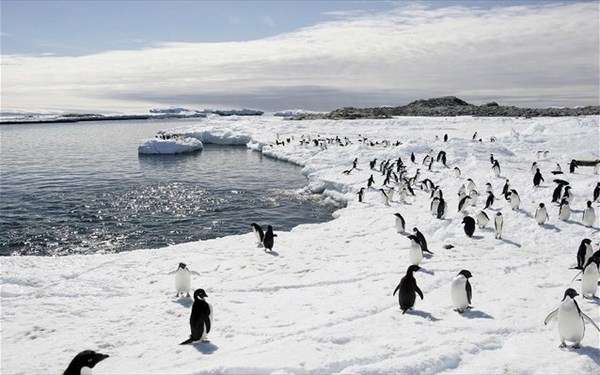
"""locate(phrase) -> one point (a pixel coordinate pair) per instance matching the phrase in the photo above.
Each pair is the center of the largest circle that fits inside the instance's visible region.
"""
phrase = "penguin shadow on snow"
(205, 347)
(477, 237)
(273, 253)
(590, 351)
(184, 301)
(423, 314)
(476, 314)
(551, 227)
(510, 242)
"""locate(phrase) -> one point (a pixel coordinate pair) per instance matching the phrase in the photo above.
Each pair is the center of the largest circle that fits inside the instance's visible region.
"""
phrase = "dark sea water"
(82, 188)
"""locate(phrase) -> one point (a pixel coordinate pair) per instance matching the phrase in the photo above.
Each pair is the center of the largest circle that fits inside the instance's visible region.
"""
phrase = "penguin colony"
(397, 180)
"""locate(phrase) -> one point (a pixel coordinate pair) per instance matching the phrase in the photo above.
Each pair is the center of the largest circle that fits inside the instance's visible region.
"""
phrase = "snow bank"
(322, 301)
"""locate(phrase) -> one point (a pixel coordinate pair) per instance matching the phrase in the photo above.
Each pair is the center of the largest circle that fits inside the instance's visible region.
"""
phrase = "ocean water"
(82, 188)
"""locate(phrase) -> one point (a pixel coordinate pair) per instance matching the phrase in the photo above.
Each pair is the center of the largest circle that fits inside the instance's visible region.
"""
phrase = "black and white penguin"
(462, 191)
(87, 358)
(489, 187)
(482, 219)
(469, 225)
(442, 209)
(433, 206)
(400, 223)
(589, 215)
(422, 240)
(590, 277)
(474, 195)
(496, 168)
(557, 170)
(461, 292)
(534, 166)
(572, 166)
(492, 159)
(489, 200)
(571, 320)
(564, 211)
(506, 187)
(269, 240)
(464, 202)
(596, 193)
(567, 194)
(370, 181)
(415, 253)
(541, 214)
(537, 178)
(412, 157)
(457, 172)
(584, 252)
(360, 194)
(183, 283)
(384, 197)
(498, 224)
(200, 318)
(556, 194)
(408, 290)
(513, 198)
(471, 185)
(258, 232)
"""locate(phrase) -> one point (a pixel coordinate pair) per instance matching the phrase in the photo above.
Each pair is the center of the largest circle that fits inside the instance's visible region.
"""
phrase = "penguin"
(384, 197)
(572, 166)
(567, 194)
(506, 187)
(589, 215)
(541, 214)
(571, 320)
(200, 318)
(492, 159)
(557, 170)
(474, 195)
(442, 209)
(422, 240)
(370, 181)
(456, 172)
(490, 200)
(408, 290)
(412, 157)
(360, 194)
(354, 162)
(461, 292)
(258, 232)
(469, 227)
(433, 207)
(268, 241)
(496, 168)
(464, 201)
(514, 199)
(489, 187)
(474, 136)
(400, 223)
(557, 193)
(564, 212)
(591, 275)
(415, 254)
(445, 137)
(537, 178)
(482, 219)
(584, 252)
(498, 223)
(596, 193)
(534, 166)
(86, 358)
(462, 191)
(183, 280)
(471, 185)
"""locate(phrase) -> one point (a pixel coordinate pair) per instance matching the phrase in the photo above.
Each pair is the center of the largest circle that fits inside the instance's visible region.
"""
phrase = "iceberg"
(165, 145)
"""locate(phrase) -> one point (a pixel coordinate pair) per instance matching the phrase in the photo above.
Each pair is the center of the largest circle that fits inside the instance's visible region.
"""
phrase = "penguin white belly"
(515, 201)
(415, 255)
(570, 323)
(589, 217)
(541, 216)
(565, 212)
(589, 280)
(182, 281)
(459, 293)
(399, 225)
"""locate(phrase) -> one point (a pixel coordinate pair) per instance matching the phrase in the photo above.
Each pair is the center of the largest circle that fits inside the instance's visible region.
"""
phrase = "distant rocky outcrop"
(449, 106)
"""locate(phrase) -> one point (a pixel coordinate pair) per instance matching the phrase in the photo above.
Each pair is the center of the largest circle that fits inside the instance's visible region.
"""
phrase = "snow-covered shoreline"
(322, 302)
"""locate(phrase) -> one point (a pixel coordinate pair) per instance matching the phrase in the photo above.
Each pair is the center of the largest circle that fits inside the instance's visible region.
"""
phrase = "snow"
(176, 145)
(322, 301)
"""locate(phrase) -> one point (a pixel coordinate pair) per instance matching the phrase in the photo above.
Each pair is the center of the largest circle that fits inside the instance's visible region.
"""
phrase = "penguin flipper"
(395, 290)
(585, 317)
(188, 341)
(418, 290)
(207, 323)
(469, 292)
(194, 273)
(577, 274)
(551, 316)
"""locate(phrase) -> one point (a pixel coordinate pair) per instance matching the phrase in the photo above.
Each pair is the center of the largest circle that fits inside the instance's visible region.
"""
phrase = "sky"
(132, 56)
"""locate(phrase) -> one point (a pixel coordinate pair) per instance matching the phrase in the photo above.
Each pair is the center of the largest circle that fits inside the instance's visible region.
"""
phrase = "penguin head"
(412, 268)
(466, 219)
(542, 205)
(182, 266)
(570, 293)
(589, 204)
(415, 229)
(465, 273)
(397, 214)
(586, 241)
(200, 294)
(499, 214)
(87, 358)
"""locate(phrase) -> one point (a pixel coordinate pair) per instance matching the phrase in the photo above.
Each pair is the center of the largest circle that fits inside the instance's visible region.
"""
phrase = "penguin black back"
(268, 241)
(87, 358)
(260, 235)
(469, 227)
(408, 289)
(199, 318)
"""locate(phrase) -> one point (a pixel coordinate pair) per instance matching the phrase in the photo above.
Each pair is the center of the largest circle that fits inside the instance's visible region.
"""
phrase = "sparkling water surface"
(82, 188)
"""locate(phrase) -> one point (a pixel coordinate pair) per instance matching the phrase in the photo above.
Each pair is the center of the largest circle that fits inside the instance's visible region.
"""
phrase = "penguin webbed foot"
(576, 346)
(562, 345)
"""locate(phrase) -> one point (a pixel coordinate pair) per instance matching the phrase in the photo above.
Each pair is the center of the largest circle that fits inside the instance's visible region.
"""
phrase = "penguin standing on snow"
(384, 197)
(482, 219)
(464, 201)
(589, 215)
(506, 187)
(183, 282)
(469, 227)
(496, 168)
(572, 166)
(360, 194)
(571, 320)
(200, 318)
(87, 358)
(564, 211)
(498, 223)
(258, 232)
(591, 275)
(408, 290)
(489, 200)
(541, 214)
(415, 253)
(442, 208)
(584, 252)
(537, 178)
(556, 194)
(461, 292)
(269, 240)
(456, 172)
(513, 198)
(422, 240)
(370, 181)
(400, 223)
(596, 193)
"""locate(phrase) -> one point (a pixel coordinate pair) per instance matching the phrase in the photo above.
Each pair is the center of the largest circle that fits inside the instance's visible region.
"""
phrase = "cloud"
(525, 55)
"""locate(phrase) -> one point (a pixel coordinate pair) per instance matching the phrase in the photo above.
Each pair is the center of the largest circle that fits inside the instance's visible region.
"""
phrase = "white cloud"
(543, 55)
